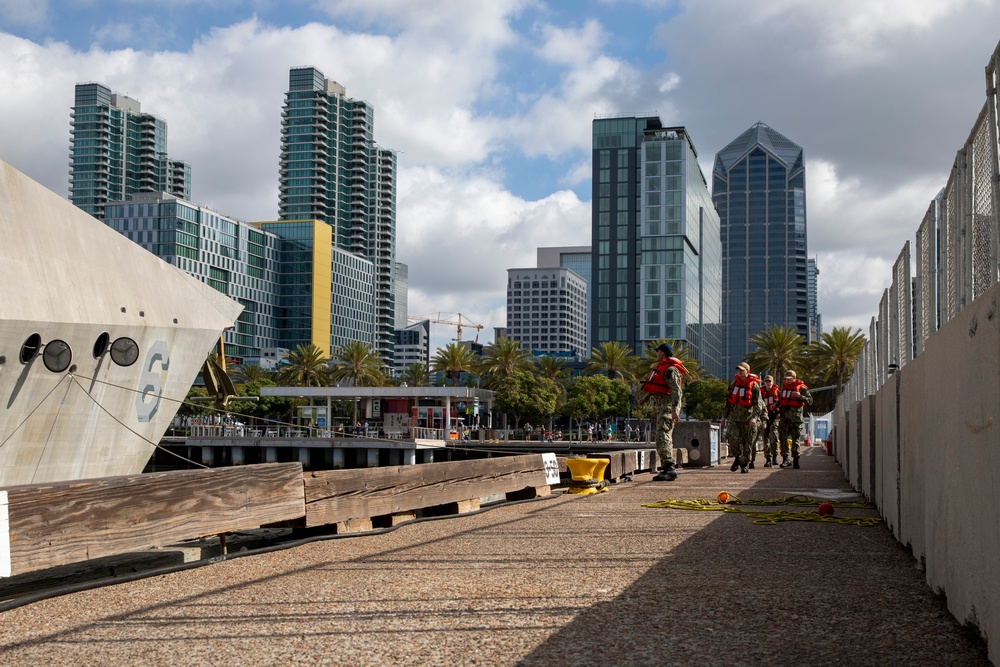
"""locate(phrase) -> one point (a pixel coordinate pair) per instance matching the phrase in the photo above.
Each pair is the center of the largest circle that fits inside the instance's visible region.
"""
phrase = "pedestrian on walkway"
(770, 392)
(664, 387)
(744, 410)
(793, 397)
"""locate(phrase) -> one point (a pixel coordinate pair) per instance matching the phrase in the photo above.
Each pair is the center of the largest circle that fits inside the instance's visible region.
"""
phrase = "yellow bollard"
(587, 475)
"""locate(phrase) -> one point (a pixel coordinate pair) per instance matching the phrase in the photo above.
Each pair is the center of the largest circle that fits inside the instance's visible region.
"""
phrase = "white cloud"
(571, 46)
(847, 213)
(850, 285)
(32, 13)
(879, 95)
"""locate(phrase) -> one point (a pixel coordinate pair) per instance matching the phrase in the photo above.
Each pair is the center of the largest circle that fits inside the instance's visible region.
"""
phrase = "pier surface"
(567, 580)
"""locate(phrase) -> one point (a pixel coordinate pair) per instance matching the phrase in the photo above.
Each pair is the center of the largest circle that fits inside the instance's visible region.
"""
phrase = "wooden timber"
(626, 462)
(335, 496)
(64, 522)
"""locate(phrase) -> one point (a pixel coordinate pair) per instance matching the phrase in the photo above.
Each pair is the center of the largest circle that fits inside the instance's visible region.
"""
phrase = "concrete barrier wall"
(887, 458)
(914, 401)
(933, 465)
(868, 448)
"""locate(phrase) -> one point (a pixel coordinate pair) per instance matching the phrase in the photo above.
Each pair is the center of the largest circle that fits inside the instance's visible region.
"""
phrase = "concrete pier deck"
(571, 580)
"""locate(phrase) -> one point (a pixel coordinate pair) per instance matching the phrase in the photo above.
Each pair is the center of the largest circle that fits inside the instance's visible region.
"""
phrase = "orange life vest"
(770, 397)
(786, 400)
(741, 391)
(656, 383)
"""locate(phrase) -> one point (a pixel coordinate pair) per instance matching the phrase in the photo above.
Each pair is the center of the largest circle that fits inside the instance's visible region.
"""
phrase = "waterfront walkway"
(570, 580)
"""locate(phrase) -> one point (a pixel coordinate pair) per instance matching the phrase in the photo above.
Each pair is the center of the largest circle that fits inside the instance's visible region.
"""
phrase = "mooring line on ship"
(33, 410)
(125, 426)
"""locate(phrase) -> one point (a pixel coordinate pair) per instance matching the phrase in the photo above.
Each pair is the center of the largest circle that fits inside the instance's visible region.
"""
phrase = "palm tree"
(415, 375)
(452, 360)
(611, 357)
(252, 373)
(778, 349)
(552, 368)
(357, 364)
(836, 352)
(307, 367)
(501, 360)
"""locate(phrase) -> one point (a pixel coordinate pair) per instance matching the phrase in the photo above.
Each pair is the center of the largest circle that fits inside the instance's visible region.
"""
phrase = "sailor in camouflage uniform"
(743, 411)
(664, 387)
(769, 391)
(794, 395)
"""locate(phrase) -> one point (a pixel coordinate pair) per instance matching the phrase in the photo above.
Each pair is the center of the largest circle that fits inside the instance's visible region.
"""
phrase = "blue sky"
(490, 106)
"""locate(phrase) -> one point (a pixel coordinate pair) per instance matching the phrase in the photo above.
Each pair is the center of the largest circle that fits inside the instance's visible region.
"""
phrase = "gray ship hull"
(100, 340)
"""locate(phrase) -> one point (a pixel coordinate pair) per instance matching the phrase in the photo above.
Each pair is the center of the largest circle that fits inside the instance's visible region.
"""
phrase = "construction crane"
(458, 322)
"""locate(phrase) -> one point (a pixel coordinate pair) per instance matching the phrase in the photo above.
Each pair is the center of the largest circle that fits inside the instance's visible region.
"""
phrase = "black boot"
(736, 464)
(785, 462)
(751, 466)
(767, 461)
(795, 462)
(667, 474)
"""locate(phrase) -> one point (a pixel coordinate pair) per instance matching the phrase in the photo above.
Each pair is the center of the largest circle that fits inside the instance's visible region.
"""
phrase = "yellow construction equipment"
(458, 322)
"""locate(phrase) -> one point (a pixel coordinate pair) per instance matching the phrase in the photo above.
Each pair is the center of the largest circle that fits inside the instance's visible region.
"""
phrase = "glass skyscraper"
(295, 287)
(655, 240)
(116, 150)
(333, 171)
(759, 189)
(815, 319)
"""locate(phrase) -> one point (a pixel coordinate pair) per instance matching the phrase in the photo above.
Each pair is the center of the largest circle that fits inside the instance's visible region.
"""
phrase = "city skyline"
(490, 108)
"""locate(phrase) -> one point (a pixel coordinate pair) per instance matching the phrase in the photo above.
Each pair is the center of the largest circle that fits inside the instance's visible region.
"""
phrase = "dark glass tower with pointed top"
(759, 189)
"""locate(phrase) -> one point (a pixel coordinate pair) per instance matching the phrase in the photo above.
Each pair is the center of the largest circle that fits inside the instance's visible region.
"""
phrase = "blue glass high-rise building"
(759, 189)
(655, 243)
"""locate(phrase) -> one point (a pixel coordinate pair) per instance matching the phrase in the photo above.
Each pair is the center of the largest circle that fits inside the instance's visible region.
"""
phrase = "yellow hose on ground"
(772, 518)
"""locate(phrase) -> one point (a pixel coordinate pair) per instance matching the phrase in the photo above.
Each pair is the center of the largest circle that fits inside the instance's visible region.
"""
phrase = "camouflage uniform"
(740, 435)
(666, 406)
(770, 434)
(791, 424)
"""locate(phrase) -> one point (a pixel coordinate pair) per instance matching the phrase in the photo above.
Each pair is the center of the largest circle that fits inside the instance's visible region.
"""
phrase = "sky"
(490, 104)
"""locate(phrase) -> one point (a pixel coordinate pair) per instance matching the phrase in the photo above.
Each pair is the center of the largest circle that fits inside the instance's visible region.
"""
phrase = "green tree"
(251, 373)
(705, 398)
(196, 403)
(777, 349)
(502, 359)
(524, 395)
(416, 375)
(596, 397)
(266, 407)
(610, 358)
(307, 367)
(453, 360)
(553, 368)
(835, 354)
(357, 364)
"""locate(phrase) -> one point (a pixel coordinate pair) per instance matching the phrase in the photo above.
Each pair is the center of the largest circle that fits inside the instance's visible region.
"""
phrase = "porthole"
(124, 351)
(101, 345)
(57, 355)
(29, 350)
